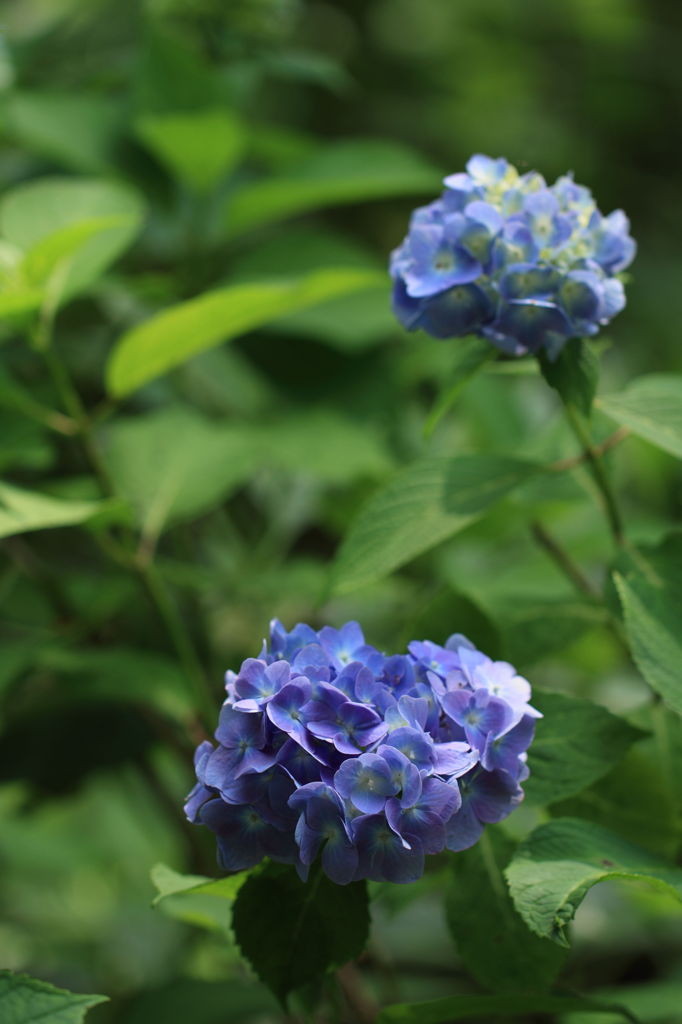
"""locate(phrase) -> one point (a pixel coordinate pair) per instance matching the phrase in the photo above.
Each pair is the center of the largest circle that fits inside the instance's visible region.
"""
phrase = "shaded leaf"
(471, 355)
(650, 407)
(554, 868)
(198, 147)
(22, 511)
(427, 502)
(574, 374)
(175, 335)
(292, 932)
(494, 942)
(575, 743)
(350, 171)
(25, 1000)
(449, 1008)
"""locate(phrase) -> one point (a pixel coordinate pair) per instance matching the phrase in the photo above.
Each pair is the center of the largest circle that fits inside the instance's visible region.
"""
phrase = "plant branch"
(563, 560)
(592, 456)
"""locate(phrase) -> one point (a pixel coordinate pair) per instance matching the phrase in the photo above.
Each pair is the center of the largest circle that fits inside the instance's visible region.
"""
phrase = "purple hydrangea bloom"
(507, 257)
(327, 749)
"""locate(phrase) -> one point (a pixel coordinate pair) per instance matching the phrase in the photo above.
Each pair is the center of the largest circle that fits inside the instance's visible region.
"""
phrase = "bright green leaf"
(493, 941)
(293, 932)
(350, 171)
(650, 407)
(575, 743)
(195, 899)
(559, 862)
(198, 147)
(449, 1008)
(175, 335)
(25, 1000)
(427, 502)
(22, 511)
(53, 217)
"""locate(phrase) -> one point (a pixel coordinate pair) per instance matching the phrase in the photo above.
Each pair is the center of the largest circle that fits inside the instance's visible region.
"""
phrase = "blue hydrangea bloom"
(507, 257)
(328, 749)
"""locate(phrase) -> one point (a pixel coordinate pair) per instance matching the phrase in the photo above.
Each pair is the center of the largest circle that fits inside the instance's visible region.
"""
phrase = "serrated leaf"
(555, 867)
(574, 374)
(23, 511)
(25, 1000)
(575, 743)
(493, 941)
(471, 355)
(32, 213)
(449, 1008)
(293, 932)
(650, 407)
(427, 502)
(175, 335)
(199, 147)
(349, 171)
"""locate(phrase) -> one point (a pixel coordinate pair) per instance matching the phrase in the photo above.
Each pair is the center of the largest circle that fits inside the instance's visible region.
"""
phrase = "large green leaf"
(23, 511)
(195, 899)
(494, 942)
(650, 407)
(559, 862)
(449, 1008)
(175, 335)
(174, 464)
(652, 608)
(350, 171)
(90, 222)
(76, 130)
(427, 502)
(198, 147)
(575, 743)
(293, 932)
(25, 1000)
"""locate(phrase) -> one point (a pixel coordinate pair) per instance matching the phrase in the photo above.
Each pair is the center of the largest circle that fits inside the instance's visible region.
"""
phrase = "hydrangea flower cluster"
(326, 747)
(508, 257)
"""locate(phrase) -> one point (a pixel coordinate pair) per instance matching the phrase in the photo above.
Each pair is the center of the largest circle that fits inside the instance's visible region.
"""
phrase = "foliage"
(209, 418)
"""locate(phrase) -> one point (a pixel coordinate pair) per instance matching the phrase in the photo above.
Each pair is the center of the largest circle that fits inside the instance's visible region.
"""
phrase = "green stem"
(563, 560)
(599, 475)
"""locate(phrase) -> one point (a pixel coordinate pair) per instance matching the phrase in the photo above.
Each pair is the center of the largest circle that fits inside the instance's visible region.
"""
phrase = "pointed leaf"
(555, 867)
(22, 511)
(650, 407)
(198, 147)
(25, 1000)
(574, 374)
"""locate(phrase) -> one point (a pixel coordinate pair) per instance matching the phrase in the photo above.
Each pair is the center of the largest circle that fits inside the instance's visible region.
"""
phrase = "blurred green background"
(268, 138)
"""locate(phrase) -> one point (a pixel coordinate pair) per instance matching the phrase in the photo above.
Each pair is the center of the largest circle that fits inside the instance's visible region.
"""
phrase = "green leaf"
(650, 407)
(195, 899)
(493, 941)
(652, 609)
(574, 374)
(471, 354)
(198, 147)
(559, 862)
(427, 502)
(575, 743)
(25, 1000)
(350, 171)
(293, 932)
(449, 1008)
(54, 216)
(75, 130)
(175, 335)
(23, 511)
(173, 464)
(655, 1002)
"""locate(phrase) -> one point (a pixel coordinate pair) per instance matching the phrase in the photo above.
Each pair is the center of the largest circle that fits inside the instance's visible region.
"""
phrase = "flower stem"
(599, 475)
(563, 560)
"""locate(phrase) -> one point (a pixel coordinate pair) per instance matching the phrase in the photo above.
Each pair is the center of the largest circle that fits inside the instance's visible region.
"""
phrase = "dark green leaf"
(349, 171)
(559, 862)
(449, 1008)
(424, 504)
(494, 942)
(25, 1000)
(175, 335)
(650, 407)
(575, 743)
(471, 354)
(293, 932)
(574, 374)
